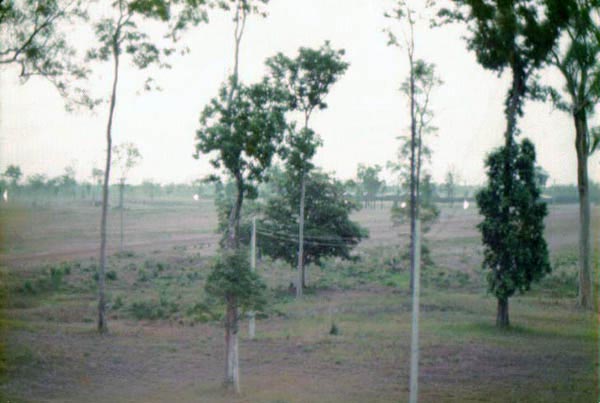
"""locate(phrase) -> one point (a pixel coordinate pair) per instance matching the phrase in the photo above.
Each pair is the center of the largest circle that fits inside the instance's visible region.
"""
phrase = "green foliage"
(231, 280)
(515, 34)
(118, 304)
(151, 309)
(32, 39)
(306, 81)
(578, 63)
(109, 275)
(334, 330)
(126, 156)
(243, 132)
(450, 184)
(308, 77)
(51, 279)
(428, 210)
(425, 81)
(203, 312)
(120, 35)
(368, 180)
(515, 253)
(328, 230)
(13, 172)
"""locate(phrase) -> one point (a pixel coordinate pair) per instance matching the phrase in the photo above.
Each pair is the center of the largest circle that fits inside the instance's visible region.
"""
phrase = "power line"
(293, 239)
(316, 237)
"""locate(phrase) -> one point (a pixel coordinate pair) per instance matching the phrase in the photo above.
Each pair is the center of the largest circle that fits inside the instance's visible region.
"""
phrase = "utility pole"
(414, 343)
(252, 321)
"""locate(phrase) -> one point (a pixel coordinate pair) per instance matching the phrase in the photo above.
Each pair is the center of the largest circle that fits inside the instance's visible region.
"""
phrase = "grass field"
(166, 342)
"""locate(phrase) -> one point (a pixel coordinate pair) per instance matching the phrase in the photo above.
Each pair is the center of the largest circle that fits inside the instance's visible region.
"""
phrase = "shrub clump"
(153, 309)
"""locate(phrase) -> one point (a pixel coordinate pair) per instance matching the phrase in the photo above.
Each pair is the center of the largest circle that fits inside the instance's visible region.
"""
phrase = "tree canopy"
(34, 40)
(329, 232)
(515, 251)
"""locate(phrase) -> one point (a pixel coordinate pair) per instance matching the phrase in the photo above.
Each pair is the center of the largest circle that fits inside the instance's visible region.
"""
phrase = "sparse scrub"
(125, 254)
(204, 312)
(51, 279)
(151, 309)
(110, 275)
(118, 304)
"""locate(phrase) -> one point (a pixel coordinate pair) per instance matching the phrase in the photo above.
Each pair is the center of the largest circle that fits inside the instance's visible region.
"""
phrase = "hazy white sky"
(366, 111)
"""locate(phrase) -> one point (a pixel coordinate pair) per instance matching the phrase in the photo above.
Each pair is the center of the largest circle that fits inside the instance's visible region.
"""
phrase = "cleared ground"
(166, 342)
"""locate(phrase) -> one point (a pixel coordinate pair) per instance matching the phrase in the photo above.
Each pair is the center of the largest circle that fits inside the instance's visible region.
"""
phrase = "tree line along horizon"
(245, 126)
(366, 190)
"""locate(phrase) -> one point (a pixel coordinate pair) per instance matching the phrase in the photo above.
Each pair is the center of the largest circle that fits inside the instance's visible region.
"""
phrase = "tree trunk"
(304, 276)
(232, 366)
(502, 320)
(102, 326)
(121, 206)
(413, 185)
(232, 241)
(585, 297)
(231, 315)
(300, 282)
(513, 105)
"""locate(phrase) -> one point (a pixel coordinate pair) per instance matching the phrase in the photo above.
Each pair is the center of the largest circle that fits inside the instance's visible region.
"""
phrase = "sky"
(366, 112)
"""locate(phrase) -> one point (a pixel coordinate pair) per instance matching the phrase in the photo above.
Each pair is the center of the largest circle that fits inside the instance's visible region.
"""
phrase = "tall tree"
(577, 61)
(118, 35)
(243, 127)
(370, 183)
(329, 232)
(515, 251)
(517, 35)
(244, 134)
(68, 183)
(406, 14)
(450, 182)
(127, 156)
(307, 78)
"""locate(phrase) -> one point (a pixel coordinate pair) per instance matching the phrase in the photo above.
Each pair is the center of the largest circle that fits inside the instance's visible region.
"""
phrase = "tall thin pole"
(252, 321)
(414, 343)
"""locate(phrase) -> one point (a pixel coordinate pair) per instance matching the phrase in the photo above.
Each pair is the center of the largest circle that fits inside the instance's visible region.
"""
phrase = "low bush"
(151, 309)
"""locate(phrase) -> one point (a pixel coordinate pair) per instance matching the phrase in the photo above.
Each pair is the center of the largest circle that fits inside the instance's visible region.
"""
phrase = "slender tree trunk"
(232, 243)
(232, 367)
(102, 326)
(300, 282)
(512, 111)
(413, 184)
(502, 320)
(585, 295)
(121, 207)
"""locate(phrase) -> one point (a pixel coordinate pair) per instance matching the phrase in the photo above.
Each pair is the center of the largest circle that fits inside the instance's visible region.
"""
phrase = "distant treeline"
(39, 188)
(43, 189)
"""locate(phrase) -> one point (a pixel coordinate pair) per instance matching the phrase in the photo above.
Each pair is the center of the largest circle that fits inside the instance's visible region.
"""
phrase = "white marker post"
(414, 342)
(252, 322)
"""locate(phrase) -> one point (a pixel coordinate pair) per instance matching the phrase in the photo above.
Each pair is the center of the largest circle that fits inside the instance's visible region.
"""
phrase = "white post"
(252, 322)
(414, 343)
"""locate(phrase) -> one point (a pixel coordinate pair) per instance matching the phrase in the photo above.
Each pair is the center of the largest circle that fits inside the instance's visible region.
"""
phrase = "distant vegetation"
(41, 189)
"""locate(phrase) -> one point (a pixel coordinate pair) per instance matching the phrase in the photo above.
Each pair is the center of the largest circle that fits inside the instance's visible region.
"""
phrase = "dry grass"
(550, 354)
